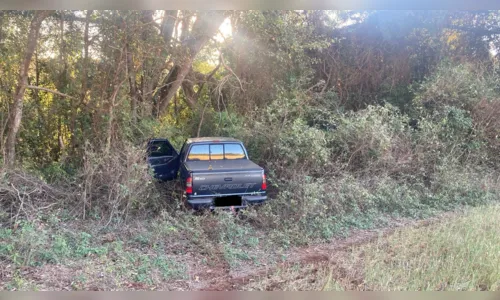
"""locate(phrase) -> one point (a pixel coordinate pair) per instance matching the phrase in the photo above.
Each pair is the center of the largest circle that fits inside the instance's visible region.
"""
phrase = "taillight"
(264, 183)
(189, 185)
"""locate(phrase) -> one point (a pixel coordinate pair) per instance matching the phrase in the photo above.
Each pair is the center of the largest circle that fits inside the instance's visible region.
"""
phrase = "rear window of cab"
(204, 152)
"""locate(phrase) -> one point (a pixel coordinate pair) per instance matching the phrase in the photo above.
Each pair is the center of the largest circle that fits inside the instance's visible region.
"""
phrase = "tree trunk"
(83, 93)
(168, 25)
(132, 83)
(2, 13)
(111, 117)
(189, 93)
(61, 86)
(152, 67)
(112, 102)
(204, 28)
(42, 124)
(16, 111)
(3, 115)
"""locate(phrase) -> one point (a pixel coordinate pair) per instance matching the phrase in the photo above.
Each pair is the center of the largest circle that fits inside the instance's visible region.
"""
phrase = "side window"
(216, 152)
(234, 151)
(160, 148)
(199, 152)
(183, 151)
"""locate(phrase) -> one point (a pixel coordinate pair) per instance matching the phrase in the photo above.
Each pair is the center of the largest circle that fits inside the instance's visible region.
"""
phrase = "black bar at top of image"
(251, 4)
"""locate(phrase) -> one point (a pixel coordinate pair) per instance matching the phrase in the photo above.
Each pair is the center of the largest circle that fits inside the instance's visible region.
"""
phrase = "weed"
(143, 239)
(169, 268)
(60, 247)
(84, 248)
(233, 255)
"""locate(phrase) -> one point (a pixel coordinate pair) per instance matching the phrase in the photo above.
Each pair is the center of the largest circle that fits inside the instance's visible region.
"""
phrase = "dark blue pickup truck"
(214, 172)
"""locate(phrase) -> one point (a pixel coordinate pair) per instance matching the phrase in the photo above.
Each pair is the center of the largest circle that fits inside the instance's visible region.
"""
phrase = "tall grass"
(460, 254)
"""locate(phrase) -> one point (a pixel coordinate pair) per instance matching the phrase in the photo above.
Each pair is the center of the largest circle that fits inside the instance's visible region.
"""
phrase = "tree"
(204, 28)
(16, 111)
(112, 76)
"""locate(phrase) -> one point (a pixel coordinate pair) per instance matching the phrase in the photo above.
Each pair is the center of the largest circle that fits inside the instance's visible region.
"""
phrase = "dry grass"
(485, 114)
(23, 195)
(460, 254)
(109, 185)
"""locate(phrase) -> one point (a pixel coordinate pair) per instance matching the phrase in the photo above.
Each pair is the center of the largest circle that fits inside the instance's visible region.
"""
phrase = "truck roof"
(211, 139)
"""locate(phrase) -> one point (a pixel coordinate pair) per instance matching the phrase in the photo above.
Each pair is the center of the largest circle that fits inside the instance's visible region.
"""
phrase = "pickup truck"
(214, 172)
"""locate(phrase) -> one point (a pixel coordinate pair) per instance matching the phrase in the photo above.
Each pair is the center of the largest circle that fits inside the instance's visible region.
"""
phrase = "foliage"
(373, 136)
(357, 117)
(458, 85)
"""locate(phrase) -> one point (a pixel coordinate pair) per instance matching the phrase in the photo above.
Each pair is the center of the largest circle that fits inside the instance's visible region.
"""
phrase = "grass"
(61, 257)
(459, 254)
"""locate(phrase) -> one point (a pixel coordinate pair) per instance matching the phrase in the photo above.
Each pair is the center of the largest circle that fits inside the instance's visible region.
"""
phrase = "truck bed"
(222, 165)
(225, 177)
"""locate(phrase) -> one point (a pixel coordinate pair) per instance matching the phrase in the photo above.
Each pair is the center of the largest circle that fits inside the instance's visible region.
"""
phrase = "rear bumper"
(208, 202)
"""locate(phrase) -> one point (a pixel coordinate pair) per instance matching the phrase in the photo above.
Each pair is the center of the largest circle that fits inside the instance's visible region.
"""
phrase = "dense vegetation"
(358, 117)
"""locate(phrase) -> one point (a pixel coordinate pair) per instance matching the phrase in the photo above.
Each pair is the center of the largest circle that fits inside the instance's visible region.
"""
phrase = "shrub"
(115, 183)
(374, 138)
(487, 127)
(462, 99)
(458, 85)
(300, 146)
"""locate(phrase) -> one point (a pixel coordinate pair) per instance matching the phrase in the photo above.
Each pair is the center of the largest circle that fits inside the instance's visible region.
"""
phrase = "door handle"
(228, 179)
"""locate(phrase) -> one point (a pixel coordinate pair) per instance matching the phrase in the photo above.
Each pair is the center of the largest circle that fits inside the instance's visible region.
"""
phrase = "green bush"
(369, 138)
(300, 146)
(459, 101)
(57, 172)
(458, 85)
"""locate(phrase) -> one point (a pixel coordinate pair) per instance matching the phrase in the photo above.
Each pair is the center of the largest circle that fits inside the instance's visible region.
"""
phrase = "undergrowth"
(329, 171)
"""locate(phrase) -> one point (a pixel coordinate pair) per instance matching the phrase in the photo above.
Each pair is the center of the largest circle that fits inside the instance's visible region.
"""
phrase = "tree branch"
(49, 90)
(201, 120)
(232, 72)
(212, 73)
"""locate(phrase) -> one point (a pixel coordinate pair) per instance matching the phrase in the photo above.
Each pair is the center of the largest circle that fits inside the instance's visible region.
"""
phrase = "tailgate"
(226, 183)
